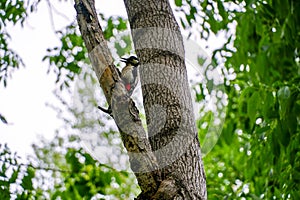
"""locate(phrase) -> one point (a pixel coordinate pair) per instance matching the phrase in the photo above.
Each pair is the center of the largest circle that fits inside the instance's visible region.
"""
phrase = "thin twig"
(60, 170)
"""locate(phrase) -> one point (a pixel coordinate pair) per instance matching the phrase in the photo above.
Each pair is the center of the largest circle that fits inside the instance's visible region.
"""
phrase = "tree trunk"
(167, 99)
(167, 162)
(142, 161)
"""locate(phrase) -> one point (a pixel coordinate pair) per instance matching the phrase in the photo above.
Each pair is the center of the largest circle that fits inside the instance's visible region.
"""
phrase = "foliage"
(15, 178)
(68, 59)
(11, 12)
(257, 154)
(73, 174)
(76, 175)
(47, 175)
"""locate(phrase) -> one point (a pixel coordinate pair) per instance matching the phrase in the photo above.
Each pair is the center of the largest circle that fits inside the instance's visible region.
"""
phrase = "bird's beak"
(123, 60)
(136, 62)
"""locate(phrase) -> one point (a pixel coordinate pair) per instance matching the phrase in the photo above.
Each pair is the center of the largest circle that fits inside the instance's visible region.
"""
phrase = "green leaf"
(73, 68)
(4, 193)
(14, 176)
(201, 60)
(182, 23)
(245, 95)
(3, 119)
(122, 24)
(268, 110)
(252, 106)
(178, 3)
(283, 94)
(27, 179)
(210, 85)
(261, 130)
(4, 183)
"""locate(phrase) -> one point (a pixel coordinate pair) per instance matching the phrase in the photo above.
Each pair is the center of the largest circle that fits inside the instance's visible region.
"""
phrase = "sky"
(23, 101)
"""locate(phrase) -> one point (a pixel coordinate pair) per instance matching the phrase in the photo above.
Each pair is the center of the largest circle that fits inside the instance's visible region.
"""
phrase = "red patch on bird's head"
(127, 86)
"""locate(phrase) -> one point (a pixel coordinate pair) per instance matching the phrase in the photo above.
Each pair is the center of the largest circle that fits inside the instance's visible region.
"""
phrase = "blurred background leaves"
(257, 154)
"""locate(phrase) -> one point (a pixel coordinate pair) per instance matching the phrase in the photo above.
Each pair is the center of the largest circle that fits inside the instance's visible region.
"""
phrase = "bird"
(129, 73)
(128, 76)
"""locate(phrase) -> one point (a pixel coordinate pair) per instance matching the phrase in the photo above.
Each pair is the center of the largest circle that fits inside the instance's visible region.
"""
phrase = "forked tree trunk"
(168, 162)
(166, 95)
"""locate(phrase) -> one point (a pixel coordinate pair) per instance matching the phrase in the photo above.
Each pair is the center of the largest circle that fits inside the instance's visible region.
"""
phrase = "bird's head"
(131, 60)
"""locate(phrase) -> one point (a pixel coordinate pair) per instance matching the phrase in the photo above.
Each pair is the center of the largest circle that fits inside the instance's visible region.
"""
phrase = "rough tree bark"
(167, 162)
(166, 95)
(125, 114)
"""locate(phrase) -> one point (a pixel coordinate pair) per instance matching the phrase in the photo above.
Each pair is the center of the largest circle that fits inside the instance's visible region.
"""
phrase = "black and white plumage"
(128, 76)
(129, 73)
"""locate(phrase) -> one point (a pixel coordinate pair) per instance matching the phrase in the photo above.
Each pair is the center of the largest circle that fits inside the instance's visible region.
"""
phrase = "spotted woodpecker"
(129, 73)
(128, 76)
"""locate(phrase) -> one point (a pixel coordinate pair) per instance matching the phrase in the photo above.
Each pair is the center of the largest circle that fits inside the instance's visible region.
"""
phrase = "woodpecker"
(128, 76)
(129, 73)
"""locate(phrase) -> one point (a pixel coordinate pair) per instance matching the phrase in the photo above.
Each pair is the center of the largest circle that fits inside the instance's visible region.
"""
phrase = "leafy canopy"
(257, 155)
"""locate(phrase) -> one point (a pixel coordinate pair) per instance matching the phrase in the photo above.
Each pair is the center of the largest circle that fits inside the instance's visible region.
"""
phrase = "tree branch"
(142, 161)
